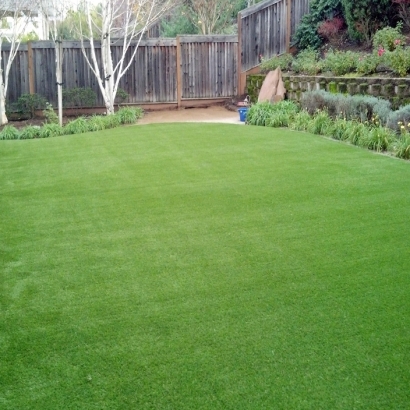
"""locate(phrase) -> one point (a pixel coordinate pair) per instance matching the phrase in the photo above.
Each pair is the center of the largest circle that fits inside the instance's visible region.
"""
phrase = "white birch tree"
(123, 22)
(17, 15)
(54, 12)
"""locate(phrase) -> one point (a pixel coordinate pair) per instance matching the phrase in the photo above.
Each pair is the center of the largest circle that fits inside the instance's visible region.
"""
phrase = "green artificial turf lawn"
(203, 266)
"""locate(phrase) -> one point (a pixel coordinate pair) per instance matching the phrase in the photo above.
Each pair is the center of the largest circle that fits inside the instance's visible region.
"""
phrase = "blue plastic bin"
(242, 113)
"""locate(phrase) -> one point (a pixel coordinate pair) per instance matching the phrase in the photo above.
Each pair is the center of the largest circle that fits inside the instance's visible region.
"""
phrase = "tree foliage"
(365, 17)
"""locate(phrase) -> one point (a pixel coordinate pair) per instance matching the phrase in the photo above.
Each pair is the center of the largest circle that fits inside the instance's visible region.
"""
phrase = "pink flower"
(381, 51)
(397, 42)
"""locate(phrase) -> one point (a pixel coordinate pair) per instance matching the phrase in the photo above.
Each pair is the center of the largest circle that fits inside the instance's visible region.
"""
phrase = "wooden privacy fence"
(172, 71)
(267, 28)
(162, 71)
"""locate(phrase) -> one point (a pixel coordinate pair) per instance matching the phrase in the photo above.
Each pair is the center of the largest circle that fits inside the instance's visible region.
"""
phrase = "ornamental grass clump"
(77, 126)
(129, 115)
(300, 121)
(279, 114)
(50, 130)
(97, 123)
(9, 132)
(30, 132)
(401, 146)
(320, 123)
(377, 139)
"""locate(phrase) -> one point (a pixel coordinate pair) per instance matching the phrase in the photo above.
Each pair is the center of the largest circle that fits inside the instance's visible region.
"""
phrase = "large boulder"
(273, 89)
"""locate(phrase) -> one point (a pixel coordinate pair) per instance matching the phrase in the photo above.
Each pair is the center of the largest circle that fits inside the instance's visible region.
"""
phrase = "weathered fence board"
(209, 67)
(165, 70)
(266, 29)
(298, 10)
(215, 58)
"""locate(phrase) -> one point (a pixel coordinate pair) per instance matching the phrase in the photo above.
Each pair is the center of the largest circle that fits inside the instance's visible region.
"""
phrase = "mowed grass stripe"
(203, 266)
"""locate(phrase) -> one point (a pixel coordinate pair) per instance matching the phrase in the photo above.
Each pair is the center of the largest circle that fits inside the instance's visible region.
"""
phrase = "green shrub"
(27, 104)
(77, 126)
(339, 62)
(306, 35)
(307, 62)
(356, 107)
(9, 132)
(79, 97)
(365, 17)
(389, 38)
(50, 115)
(399, 118)
(399, 60)
(367, 63)
(30, 132)
(283, 61)
(51, 130)
(121, 96)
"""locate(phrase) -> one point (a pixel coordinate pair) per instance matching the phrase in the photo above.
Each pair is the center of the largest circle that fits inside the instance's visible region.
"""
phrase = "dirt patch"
(218, 114)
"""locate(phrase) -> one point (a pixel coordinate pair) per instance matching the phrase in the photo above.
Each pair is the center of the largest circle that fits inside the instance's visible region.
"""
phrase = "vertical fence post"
(179, 72)
(31, 83)
(288, 24)
(240, 87)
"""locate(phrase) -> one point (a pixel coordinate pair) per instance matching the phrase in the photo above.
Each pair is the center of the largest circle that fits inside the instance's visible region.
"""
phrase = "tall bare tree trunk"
(59, 79)
(3, 116)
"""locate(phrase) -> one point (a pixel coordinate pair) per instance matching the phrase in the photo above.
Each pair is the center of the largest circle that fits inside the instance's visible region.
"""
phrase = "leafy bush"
(121, 96)
(9, 132)
(30, 132)
(365, 17)
(307, 35)
(399, 61)
(79, 97)
(356, 107)
(312, 101)
(399, 118)
(367, 63)
(27, 104)
(330, 28)
(307, 62)
(283, 61)
(50, 115)
(340, 63)
(389, 38)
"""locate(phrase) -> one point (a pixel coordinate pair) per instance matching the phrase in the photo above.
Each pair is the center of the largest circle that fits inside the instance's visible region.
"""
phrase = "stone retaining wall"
(396, 90)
